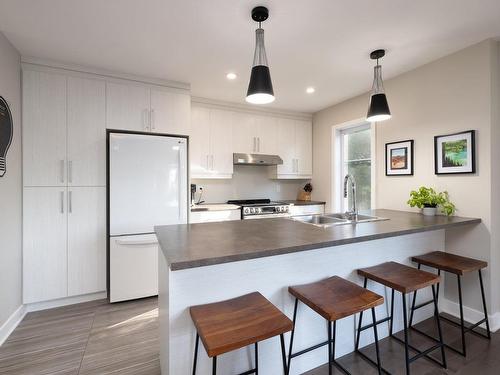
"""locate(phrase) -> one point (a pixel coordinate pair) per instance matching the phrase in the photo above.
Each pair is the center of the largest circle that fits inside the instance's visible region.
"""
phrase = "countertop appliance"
(261, 208)
(148, 186)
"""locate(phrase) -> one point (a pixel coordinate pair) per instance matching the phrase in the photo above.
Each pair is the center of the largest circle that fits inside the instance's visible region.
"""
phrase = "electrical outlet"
(200, 188)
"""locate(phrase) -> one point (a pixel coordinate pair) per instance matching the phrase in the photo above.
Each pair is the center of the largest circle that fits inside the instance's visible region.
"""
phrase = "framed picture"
(455, 153)
(399, 158)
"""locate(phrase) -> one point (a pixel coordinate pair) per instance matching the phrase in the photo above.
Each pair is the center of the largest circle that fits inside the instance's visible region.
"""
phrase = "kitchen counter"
(196, 245)
(303, 203)
(210, 262)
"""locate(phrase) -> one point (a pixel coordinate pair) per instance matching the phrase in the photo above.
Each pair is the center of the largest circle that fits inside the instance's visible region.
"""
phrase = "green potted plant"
(429, 200)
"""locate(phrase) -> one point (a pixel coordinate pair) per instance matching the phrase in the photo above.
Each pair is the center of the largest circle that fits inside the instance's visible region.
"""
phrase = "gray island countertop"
(197, 245)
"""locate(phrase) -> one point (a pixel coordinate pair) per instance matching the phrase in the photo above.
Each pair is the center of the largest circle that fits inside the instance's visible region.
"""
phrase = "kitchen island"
(203, 263)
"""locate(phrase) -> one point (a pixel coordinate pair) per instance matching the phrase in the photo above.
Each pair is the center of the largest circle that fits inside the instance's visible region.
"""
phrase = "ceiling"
(320, 43)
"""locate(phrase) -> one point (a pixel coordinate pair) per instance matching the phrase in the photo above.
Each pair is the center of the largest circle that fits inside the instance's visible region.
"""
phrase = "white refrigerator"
(147, 187)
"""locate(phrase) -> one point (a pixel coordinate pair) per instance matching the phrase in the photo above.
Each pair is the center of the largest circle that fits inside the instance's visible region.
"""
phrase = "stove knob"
(286, 208)
(246, 210)
(279, 209)
(252, 210)
(258, 210)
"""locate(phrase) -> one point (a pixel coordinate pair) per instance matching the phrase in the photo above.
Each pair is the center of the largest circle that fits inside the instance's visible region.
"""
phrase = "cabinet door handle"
(212, 162)
(297, 163)
(62, 171)
(70, 171)
(208, 162)
(62, 202)
(70, 202)
(152, 119)
(145, 119)
(258, 144)
(254, 144)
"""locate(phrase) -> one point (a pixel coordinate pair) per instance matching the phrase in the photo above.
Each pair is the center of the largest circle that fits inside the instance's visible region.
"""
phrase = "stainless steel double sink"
(328, 220)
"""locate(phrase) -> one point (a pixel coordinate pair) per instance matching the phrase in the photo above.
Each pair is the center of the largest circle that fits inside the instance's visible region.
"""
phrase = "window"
(356, 159)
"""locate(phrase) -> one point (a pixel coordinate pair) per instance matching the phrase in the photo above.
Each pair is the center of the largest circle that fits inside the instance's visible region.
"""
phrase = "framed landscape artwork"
(399, 158)
(455, 153)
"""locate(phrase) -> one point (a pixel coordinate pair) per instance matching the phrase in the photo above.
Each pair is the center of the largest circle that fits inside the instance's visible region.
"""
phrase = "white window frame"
(336, 161)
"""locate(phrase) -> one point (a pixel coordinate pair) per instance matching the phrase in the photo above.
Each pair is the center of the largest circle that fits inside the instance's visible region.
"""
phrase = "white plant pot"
(429, 211)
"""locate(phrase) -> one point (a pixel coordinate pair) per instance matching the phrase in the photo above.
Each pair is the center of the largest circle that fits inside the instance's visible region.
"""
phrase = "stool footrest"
(310, 349)
(253, 371)
(424, 354)
(422, 305)
(467, 329)
(376, 323)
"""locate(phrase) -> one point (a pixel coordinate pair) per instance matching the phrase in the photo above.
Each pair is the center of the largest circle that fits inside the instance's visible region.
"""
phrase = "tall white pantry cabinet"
(65, 116)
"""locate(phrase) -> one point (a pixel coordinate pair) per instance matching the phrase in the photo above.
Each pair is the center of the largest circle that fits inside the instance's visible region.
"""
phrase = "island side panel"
(271, 276)
(163, 311)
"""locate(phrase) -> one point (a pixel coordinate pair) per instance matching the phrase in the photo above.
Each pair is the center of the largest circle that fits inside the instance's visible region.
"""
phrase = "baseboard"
(470, 315)
(37, 306)
(11, 323)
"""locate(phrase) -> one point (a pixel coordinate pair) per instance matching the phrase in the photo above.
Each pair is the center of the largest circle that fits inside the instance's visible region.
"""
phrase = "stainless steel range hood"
(256, 159)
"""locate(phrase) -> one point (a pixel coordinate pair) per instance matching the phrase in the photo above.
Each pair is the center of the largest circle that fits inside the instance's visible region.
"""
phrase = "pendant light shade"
(260, 88)
(378, 109)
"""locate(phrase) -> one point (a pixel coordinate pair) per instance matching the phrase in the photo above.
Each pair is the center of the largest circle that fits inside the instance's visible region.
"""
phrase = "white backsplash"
(248, 182)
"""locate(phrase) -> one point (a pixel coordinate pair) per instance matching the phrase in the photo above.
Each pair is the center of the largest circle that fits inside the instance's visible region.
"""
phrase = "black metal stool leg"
(484, 305)
(462, 322)
(438, 322)
(375, 334)
(330, 348)
(214, 365)
(413, 302)
(291, 336)
(196, 352)
(283, 352)
(256, 358)
(405, 329)
(392, 313)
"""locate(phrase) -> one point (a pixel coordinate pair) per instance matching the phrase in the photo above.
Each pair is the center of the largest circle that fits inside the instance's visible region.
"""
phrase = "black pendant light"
(260, 88)
(378, 110)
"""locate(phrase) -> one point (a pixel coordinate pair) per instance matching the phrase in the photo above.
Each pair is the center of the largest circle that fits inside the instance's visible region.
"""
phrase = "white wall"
(10, 188)
(449, 95)
(248, 182)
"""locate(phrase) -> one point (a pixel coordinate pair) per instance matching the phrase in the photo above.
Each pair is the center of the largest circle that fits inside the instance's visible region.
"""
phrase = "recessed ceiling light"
(231, 76)
(310, 90)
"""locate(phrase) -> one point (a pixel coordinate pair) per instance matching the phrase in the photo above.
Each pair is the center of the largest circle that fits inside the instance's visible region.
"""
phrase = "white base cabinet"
(213, 216)
(45, 253)
(138, 253)
(309, 209)
(86, 240)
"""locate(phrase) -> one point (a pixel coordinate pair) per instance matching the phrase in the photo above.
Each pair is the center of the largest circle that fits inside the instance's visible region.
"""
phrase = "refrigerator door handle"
(137, 242)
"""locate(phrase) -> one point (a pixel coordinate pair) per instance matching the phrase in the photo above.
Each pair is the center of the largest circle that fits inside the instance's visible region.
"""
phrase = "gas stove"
(261, 208)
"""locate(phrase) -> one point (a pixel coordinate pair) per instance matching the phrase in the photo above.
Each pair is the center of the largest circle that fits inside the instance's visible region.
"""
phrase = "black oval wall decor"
(6, 131)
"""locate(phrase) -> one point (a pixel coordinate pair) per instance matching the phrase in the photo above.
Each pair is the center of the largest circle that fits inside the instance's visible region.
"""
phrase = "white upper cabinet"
(303, 148)
(211, 143)
(295, 148)
(286, 146)
(127, 106)
(267, 135)
(44, 129)
(254, 134)
(44, 244)
(221, 147)
(86, 240)
(170, 112)
(199, 142)
(147, 108)
(86, 162)
(244, 133)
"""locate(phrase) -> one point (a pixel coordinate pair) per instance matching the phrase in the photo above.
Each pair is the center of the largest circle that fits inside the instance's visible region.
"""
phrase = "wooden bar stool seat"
(452, 263)
(459, 266)
(334, 298)
(406, 279)
(233, 324)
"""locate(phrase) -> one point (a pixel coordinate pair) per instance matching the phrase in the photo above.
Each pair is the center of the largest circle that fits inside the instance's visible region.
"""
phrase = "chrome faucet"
(353, 214)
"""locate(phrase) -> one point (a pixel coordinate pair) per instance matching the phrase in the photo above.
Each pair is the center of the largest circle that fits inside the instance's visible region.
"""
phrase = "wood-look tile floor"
(87, 339)
(97, 338)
